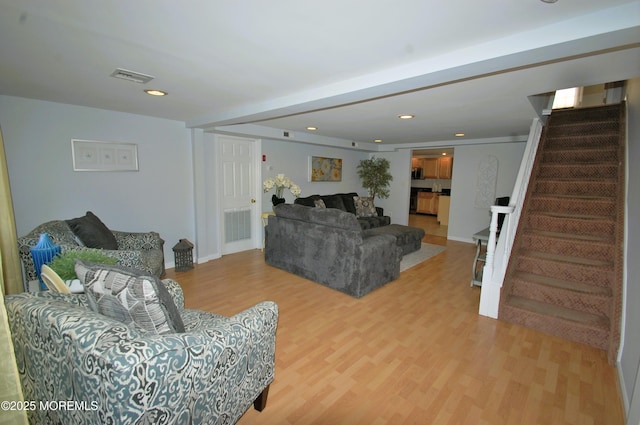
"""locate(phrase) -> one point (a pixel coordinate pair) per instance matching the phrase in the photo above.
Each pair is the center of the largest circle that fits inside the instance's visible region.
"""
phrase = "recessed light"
(444, 154)
(312, 128)
(459, 134)
(155, 92)
(378, 141)
(548, 1)
(406, 116)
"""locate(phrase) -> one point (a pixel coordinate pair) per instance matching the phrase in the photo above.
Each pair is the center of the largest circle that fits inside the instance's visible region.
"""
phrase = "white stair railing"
(499, 246)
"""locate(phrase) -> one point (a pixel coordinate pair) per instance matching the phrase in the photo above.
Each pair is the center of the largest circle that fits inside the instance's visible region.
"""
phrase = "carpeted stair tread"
(570, 236)
(575, 196)
(568, 186)
(566, 259)
(578, 317)
(568, 216)
(578, 181)
(593, 170)
(563, 284)
(574, 214)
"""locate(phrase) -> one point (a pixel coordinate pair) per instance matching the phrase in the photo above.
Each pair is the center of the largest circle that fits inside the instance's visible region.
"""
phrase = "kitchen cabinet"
(437, 168)
(427, 203)
(430, 168)
(445, 167)
(444, 203)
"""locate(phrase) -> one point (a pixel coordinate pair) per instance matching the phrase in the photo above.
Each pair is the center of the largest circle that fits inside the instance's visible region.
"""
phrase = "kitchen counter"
(424, 200)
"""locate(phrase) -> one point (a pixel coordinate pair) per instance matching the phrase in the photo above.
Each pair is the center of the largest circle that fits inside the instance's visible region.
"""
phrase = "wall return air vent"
(136, 77)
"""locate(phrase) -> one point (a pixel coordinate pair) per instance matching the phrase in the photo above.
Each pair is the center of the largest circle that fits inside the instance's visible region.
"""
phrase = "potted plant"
(375, 177)
(64, 264)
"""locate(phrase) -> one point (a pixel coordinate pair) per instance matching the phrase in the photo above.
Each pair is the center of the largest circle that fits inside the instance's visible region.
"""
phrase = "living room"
(165, 179)
(175, 190)
(164, 176)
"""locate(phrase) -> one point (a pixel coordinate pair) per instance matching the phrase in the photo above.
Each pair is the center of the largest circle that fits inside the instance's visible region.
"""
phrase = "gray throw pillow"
(129, 296)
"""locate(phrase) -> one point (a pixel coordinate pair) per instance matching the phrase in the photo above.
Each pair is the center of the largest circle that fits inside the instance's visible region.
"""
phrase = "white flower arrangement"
(281, 182)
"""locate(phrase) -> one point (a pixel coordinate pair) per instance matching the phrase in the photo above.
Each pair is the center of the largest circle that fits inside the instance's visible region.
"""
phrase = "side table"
(481, 238)
(265, 220)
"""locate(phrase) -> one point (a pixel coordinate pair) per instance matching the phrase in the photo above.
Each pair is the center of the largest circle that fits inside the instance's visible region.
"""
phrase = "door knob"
(253, 201)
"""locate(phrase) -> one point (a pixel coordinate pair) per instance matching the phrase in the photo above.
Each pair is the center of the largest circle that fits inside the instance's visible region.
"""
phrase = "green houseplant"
(64, 263)
(375, 177)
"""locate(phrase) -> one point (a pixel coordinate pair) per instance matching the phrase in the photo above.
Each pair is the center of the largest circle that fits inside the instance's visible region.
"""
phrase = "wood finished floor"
(412, 352)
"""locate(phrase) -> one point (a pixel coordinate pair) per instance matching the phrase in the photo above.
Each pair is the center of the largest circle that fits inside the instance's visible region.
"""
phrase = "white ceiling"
(347, 67)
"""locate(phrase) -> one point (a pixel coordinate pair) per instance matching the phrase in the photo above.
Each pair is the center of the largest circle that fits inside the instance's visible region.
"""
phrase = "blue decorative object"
(42, 253)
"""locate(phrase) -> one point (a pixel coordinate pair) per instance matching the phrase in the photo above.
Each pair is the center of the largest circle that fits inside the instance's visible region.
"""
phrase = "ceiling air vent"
(136, 77)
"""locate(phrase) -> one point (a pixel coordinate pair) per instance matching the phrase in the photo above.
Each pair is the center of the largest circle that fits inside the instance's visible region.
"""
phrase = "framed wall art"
(92, 155)
(323, 169)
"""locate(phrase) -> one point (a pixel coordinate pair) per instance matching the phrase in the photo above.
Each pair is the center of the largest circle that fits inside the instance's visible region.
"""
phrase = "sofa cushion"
(347, 200)
(308, 201)
(333, 201)
(324, 216)
(129, 296)
(364, 206)
(373, 222)
(92, 232)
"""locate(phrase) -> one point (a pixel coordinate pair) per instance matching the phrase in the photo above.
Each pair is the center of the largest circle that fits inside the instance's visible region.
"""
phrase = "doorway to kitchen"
(431, 174)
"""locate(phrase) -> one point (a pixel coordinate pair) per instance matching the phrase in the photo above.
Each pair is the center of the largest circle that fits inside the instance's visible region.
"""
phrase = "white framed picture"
(93, 155)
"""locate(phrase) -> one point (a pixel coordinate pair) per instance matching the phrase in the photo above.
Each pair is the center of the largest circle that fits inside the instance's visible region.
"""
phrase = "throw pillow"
(333, 201)
(319, 203)
(364, 206)
(92, 232)
(130, 296)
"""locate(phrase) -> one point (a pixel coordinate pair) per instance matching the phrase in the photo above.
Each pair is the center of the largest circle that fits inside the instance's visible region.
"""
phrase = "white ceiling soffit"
(282, 64)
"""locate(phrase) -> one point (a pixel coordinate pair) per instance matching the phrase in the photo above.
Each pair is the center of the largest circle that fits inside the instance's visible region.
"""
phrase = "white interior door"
(239, 208)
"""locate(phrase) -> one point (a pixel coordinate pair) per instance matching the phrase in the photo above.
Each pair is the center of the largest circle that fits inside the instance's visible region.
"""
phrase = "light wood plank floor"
(412, 352)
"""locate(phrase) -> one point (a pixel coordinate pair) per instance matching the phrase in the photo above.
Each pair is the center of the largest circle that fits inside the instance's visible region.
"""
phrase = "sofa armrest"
(212, 372)
(175, 290)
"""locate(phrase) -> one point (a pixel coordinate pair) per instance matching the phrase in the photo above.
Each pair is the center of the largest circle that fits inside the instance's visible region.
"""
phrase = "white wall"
(292, 159)
(464, 218)
(397, 205)
(630, 354)
(158, 197)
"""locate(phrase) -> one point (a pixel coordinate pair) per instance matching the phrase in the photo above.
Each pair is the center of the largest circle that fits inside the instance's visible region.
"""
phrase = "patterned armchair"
(114, 374)
(142, 251)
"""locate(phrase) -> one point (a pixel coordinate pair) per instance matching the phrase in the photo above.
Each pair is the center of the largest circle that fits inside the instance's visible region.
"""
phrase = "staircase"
(565, 271)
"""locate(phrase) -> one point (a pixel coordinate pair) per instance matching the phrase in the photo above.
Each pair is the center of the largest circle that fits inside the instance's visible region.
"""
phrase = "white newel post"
(492, 276)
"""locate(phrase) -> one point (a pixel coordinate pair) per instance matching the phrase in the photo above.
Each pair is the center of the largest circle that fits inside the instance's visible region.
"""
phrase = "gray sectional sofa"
(329, 246)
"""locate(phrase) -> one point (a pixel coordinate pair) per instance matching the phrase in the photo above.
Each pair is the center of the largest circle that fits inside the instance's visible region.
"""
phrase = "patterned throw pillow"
(319, 203)
(364, 206)
(129, 296)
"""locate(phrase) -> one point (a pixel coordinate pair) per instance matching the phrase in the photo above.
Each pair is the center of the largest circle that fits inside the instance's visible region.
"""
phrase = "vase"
(42, 253)
(277, 201)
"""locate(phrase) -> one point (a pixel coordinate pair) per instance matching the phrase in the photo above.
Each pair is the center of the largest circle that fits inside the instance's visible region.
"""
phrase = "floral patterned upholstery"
(138, 250)
(114, 374)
